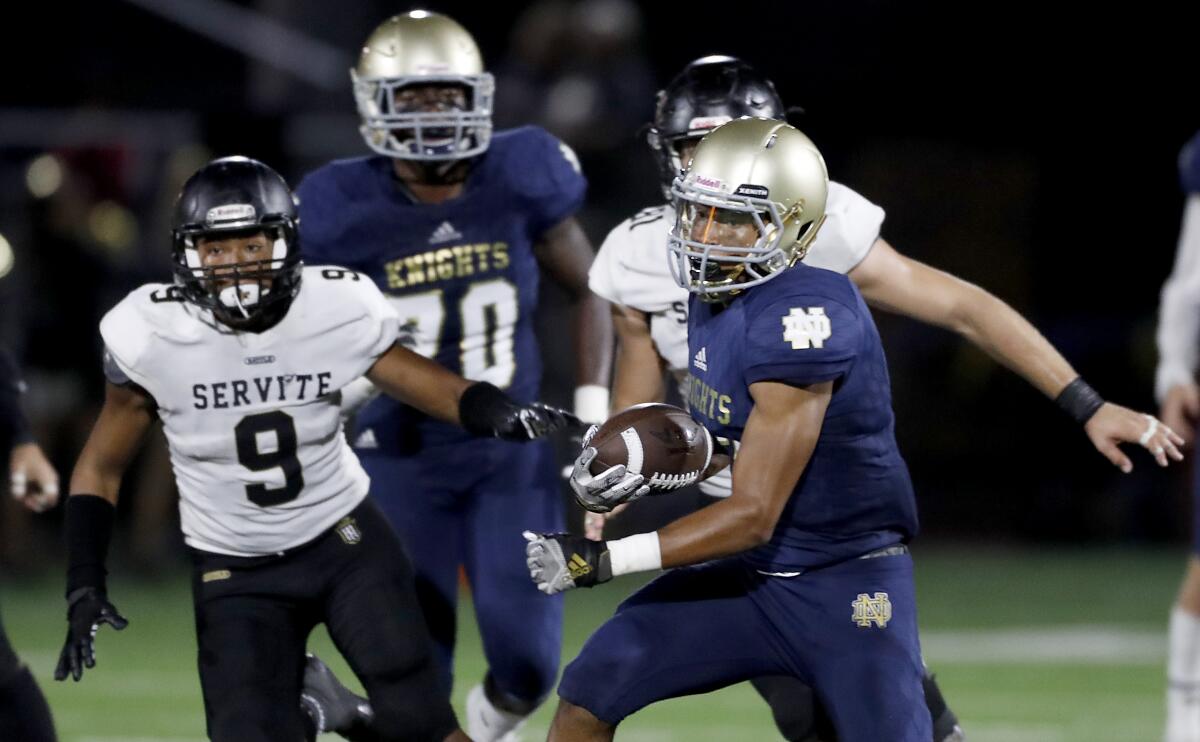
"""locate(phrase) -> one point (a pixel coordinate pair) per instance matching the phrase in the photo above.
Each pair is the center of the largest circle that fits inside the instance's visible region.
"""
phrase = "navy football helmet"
(234, 197)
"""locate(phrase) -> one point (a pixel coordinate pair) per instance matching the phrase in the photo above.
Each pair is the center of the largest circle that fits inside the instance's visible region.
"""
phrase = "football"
(659, 441)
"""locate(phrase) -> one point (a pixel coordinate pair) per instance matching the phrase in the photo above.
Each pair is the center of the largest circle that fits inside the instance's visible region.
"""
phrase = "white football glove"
(602, 492)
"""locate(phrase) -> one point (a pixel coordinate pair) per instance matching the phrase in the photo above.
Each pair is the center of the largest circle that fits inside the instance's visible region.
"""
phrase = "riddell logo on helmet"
(229, 213)
(714, 183)
(704, 123)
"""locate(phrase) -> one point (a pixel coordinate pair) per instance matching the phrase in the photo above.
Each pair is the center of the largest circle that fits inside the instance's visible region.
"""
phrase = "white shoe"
(486, 723)
(1183, 716)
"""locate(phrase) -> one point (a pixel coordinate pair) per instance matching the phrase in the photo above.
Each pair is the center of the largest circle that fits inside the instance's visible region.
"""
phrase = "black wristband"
(89, 529)
(481, 406)
(1079, 400)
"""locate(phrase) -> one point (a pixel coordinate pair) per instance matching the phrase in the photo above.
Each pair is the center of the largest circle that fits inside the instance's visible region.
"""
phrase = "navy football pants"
(701, 628)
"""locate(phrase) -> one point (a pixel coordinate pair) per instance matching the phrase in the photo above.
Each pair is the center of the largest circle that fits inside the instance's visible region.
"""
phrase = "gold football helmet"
(420, 48)
(747, 207)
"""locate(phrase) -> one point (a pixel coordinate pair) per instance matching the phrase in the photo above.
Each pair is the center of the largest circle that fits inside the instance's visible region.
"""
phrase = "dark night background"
(1024, 147)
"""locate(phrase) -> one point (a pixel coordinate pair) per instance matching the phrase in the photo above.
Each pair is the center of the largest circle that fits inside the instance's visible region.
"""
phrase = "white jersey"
(632, 269)
(252, 419)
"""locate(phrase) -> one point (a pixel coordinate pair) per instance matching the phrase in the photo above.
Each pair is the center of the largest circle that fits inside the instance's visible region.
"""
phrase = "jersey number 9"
(250, 434)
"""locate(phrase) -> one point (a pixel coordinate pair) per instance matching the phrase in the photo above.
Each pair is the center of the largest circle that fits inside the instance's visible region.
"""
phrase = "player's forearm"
(1009, 338)
(419, 382)
(639, 372)
(723, 529)
(593, 340)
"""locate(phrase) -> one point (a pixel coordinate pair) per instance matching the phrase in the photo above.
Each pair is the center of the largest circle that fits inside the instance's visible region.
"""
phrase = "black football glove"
(486, 411)
(532, 422)
(560, 561)
(87, 610)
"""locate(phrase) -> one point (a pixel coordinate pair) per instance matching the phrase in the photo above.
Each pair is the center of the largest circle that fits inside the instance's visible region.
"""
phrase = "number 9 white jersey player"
(243, 359)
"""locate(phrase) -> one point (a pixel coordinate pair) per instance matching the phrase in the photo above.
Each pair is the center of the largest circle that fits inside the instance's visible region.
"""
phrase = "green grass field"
(1029, 646)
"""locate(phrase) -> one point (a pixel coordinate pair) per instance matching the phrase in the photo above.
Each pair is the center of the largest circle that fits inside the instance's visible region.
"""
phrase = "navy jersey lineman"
(243, 359)
(804, 569)
(453, 221)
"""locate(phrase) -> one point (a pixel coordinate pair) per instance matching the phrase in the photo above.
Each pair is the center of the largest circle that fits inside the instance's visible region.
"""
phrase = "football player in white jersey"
(243, 359)
(1176, 388)
(650, 312)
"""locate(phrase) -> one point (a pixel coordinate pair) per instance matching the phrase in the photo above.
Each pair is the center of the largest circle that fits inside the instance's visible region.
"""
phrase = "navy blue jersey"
(462, 274)
(806, 326)
(1189, 165)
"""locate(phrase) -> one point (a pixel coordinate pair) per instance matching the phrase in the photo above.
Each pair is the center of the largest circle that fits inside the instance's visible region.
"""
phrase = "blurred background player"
(822, 505)
(650, 310)
(243, 359)
(454, 223)
(1177, 391)
(24, 714)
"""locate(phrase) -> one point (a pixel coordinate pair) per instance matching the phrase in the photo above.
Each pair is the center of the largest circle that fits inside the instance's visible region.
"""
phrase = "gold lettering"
(394, 279)
(723, 406)
(415, 271)
(500, 255)
(482, 252)
(464, 261)
(445, 263)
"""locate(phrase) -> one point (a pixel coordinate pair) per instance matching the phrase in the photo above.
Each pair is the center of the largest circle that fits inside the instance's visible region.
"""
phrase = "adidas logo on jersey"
(366, 439)
(701, 359)
(444, 233)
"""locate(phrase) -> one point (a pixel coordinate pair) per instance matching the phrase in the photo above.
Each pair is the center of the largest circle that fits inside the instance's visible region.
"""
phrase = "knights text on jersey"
(631, 267)
(461, 274)
(803, 327)
(252, 420)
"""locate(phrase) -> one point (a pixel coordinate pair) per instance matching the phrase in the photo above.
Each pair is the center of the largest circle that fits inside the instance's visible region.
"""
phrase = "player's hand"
(602, 492)
(533, 421)
(594, 523)
(560, 561)
(32, 478)
(1181, 410)
(87, 610)
(1113, 425)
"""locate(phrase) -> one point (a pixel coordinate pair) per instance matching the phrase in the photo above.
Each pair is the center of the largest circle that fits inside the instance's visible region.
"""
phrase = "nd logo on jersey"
(806, 329)
(868, 610)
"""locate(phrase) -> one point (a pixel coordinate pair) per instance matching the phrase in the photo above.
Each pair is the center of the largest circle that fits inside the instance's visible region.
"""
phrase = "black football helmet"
(707, 93)
(230, 197)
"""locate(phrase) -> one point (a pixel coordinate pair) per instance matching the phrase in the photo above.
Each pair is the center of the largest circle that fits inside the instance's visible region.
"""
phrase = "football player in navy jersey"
(454, 222)
(803, 570)
(24, 714)
(1177, 391)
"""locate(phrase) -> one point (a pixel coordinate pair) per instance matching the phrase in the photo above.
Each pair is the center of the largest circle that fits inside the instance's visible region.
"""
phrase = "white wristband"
(638, 553)
(591, 403)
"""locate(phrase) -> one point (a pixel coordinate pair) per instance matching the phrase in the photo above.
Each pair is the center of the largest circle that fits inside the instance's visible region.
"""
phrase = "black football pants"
(254, 615)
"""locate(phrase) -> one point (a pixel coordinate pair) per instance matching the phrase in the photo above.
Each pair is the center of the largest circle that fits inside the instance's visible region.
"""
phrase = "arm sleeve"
(13, 427)
(602, 276)
(375, 330)
(805, 340)
(852, 224)
(548, 180)
(1179, 307)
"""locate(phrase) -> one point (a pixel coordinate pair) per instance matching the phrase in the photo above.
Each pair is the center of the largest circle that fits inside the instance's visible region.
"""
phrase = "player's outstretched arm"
(891, 281)
(91, 510)
(778, 442)
(479, 407)
(566, 253)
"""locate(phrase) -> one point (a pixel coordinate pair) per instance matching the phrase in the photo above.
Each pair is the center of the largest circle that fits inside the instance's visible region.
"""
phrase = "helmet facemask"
(445, 135)
(245, 294)
(718, 271)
